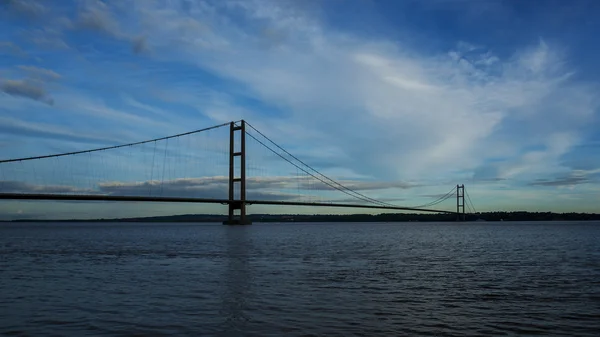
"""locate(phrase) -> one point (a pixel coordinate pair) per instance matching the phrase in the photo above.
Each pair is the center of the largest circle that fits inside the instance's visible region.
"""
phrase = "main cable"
(357, 195)
(439, 200)
(366, 199)
(112, 147)
(469, 198)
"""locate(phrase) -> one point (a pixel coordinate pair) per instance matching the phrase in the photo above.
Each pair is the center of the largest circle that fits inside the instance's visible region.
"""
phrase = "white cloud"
(148, 108)
(537, 60)
(403, 115)
(97, 108)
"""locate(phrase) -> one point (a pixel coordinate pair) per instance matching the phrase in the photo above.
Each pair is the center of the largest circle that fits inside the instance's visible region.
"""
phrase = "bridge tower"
(233, 203)
(460, 202)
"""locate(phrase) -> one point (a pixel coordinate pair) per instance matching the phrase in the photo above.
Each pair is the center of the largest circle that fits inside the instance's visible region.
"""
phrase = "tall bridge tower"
(237, 180)
(460, 202)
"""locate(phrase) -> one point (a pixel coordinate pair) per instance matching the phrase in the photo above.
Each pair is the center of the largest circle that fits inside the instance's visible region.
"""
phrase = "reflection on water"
(474, 279)
(238, 276)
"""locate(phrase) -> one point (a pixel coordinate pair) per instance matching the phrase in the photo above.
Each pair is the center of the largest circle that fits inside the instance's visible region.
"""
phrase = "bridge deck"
(104, 197)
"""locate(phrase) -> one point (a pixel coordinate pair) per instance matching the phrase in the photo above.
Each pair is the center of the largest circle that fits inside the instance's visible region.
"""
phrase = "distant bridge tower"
(460, 202)
(233, 203)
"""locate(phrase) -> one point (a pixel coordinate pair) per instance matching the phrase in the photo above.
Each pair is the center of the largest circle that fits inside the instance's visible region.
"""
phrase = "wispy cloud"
(575, 177)
(96, 16)
(26, 8)
(17, 127)
(99, 17)
(40, 73)
(32, 86)
(26, 88)
(565, 181)
(98, 109)
(23, 187)
(48, 41)
(9, 47)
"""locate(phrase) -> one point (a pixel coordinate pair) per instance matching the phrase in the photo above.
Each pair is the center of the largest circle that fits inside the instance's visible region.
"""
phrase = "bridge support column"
(233, 203)
(460, 202)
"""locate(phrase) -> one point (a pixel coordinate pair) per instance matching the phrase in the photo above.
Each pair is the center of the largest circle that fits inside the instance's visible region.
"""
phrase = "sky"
(399, 99)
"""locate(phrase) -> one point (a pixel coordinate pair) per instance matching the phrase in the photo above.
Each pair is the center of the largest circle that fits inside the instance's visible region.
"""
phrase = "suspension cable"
(366, 199)
(356, 194)
(468, 208)
(471, 202)
(112, 147)
(439, 200)
(434, 203)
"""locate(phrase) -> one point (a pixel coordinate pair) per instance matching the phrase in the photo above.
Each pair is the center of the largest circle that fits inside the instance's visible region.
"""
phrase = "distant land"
(395, 217)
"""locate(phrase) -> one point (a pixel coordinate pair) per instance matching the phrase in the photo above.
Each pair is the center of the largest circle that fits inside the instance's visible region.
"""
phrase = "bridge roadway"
(104, 197)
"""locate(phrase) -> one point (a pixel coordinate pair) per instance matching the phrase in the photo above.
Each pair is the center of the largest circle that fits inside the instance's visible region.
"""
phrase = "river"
(335, 279)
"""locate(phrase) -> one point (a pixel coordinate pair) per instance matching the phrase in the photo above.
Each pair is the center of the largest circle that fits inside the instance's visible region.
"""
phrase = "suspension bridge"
(192, 171)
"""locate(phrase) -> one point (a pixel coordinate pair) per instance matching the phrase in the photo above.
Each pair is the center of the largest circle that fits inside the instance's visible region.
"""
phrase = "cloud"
(26, 8)
(364, 106)
(257, 187)
(208, 187)
(32, 86)
(183, 187)
(404, 115)
(139, 44)
(55, 22)
(565, 181)
(579, 157)
(40, 73)
(11, 48)
(50, 42)
(96, 16)
(212, 187)
(48, 37)
(435, 196)
(26, 88)
(361, 202)
(310, 183)
(576, 177)
(346, 83)
(147, 108)
(23, 187)
(15, 127)
(83, 105)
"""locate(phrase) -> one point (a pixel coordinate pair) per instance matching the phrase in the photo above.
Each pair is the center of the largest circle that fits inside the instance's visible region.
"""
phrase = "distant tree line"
(388, 217)
(430, 217)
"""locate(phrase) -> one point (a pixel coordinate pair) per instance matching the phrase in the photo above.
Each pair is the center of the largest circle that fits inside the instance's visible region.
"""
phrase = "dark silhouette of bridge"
(237, 200)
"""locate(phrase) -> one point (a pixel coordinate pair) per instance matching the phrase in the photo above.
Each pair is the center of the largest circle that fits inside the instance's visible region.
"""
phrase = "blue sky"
(400, 99)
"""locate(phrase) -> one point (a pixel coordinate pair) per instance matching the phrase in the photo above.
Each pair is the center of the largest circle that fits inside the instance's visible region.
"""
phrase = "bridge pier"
(233, 203)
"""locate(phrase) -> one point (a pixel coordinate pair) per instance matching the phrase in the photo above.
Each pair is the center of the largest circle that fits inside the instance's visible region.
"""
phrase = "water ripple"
(296, 280)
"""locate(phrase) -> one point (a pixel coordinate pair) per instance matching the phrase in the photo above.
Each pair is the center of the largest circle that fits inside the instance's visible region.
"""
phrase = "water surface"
(450, 279)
